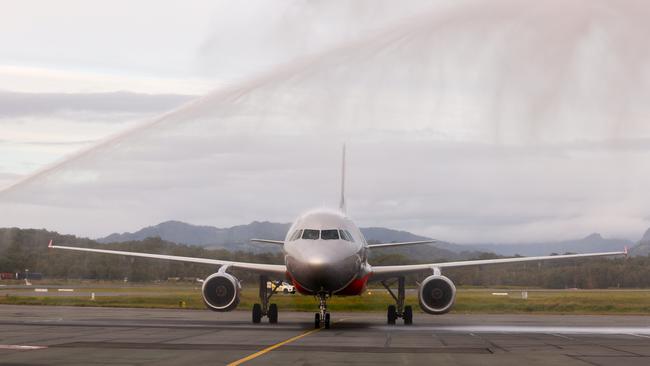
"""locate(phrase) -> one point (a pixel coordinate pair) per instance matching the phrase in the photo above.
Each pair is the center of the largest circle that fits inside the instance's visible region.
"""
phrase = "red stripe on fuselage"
(299, 288)
(355, 287)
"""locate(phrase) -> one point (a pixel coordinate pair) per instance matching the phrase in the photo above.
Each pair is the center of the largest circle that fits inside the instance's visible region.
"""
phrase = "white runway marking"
(20, 348)
(555, 330)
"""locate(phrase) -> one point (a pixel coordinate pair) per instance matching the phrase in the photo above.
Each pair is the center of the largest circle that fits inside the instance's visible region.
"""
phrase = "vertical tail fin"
(342, 202)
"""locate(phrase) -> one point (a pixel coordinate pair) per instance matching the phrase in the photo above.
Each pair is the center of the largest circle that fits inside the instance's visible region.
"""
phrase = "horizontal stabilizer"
(267, 241)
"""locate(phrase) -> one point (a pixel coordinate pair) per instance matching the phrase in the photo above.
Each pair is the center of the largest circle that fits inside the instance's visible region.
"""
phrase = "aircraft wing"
(388, 245)
(271, 269)
(398, 270)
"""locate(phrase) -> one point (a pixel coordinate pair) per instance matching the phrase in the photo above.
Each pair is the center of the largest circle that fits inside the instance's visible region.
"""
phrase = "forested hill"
(27, 248)
(643, 248)
(232, 238)
(22, 249)
(238, 238)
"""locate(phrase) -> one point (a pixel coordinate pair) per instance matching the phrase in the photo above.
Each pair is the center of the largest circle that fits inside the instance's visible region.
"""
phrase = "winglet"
(625, 250)
(50, 244)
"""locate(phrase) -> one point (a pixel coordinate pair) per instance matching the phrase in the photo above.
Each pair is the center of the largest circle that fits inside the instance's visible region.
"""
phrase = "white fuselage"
(325, 252)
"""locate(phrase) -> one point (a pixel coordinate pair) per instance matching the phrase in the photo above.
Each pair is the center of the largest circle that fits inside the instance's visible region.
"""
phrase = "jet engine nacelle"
(436, 294)
(221, 292)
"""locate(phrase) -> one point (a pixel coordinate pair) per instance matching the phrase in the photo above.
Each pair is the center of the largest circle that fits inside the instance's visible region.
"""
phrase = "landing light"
(316, 261)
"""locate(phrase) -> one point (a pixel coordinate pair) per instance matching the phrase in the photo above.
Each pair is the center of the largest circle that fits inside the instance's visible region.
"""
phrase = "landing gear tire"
(322, 318)
(391, 315)
(257, 313)
(408, 315)
(327, 320)
(273, 313)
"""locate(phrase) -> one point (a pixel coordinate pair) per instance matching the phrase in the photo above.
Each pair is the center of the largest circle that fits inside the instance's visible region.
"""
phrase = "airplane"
(327, 255)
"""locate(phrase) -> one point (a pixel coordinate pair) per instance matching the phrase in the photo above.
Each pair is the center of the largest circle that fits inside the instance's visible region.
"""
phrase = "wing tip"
(50, 244)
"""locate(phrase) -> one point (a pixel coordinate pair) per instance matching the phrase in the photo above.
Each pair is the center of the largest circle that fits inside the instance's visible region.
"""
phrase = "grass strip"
(553, 302)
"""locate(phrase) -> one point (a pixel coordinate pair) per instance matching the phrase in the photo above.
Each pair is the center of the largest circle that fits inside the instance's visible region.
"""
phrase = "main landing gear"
(266, 309)
(322, 318)
(399, 310)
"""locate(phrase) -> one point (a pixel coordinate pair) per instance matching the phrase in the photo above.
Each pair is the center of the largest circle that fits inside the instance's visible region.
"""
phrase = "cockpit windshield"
(329, 234)
(345, 235)
(296, 235)
(311, 234)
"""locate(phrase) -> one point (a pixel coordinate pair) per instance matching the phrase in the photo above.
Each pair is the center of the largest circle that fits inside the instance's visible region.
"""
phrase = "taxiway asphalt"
(38, 335)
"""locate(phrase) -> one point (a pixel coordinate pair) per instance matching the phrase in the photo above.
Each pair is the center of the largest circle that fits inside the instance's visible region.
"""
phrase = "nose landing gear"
(399, 310)
(322, 318)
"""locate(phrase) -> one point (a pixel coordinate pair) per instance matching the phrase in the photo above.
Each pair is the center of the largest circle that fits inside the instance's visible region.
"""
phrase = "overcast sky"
(471, 121)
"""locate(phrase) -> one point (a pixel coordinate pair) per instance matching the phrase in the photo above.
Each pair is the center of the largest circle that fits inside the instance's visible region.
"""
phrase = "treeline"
(22, 249)
(591, 273)
(588, 273)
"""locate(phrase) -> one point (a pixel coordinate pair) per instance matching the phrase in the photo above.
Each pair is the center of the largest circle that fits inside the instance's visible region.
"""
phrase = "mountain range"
(591, 243)
(643, 247)
(238, 238)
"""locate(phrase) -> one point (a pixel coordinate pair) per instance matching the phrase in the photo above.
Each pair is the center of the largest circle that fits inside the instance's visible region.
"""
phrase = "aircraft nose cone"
(319, 273)
(317, 262)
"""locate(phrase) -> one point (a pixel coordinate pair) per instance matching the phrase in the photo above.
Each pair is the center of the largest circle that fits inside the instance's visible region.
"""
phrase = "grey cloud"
(284, 31)
(480, 125)
(421, 186)
(8, 176)
(50, 143)
(13, 104)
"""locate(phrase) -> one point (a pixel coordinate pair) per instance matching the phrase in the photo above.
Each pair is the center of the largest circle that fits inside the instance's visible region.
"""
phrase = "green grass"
(467, 301)
(562, 302)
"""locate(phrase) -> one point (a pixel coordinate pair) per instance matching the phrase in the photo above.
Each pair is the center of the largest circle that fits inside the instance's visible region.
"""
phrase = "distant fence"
(21, 276)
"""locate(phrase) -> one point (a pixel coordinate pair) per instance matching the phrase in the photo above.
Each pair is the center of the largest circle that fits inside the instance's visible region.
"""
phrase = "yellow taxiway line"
(271, 348)
(278, 345)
